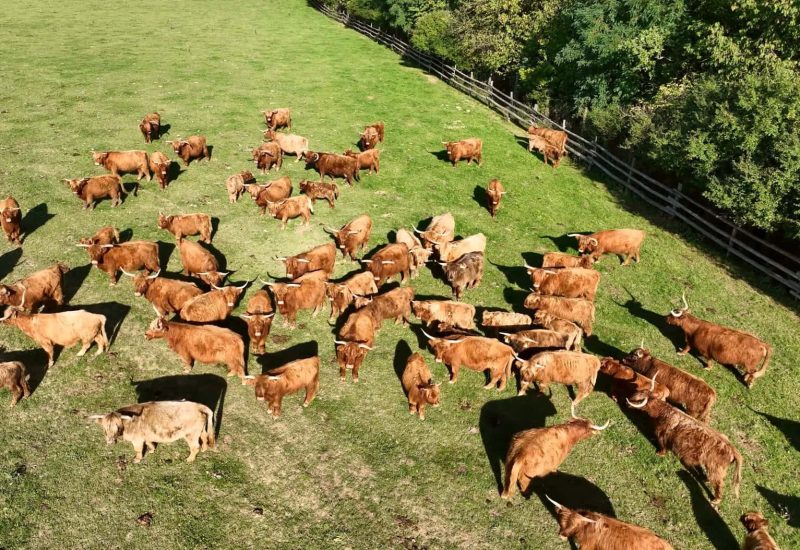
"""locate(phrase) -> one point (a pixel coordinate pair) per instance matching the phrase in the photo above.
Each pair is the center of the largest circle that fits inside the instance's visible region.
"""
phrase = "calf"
(758, 537)
(320, 190)
(89, 190)
(14, 378)
(130, 256)
(494, 193)
(466, 272)
(572, 331)
(353, 236)
(626, 382)
(356, 338)
(536, 339)
(556, 138)
(724, 345)
(197, 261)
(447, 314)
(378, 127)
(354, 289)
(278, 118)
(589, 529)
(258, 316)
(274, 191)
(466, 149)
(61, 329)
(549, 152)
(166, 295)
(419, 387)
(320, 257)
(11, 219)
(268, 155)
(333, 165)
(621, 242)
(419, 254)
(291, 208)
(292, 377)
(561, 259)
(577, 310)
(505, 319)
(290, 144)
(39, 289)
(696, 445)
(105, 235)
(160, 422)
(187, 224)
(685, 390)
(204, 343)
(159, 165)
(236, 183)
(391, 260)
(368, 139)
(569, 282)
(453, 250)
(540, 451)
(395, 304)
(215, 305)
(367, 160)
(440, 230)
(476, 353)
(562, 367)
(150, 126)
(305, 292)
(124, 162)
(191, 148)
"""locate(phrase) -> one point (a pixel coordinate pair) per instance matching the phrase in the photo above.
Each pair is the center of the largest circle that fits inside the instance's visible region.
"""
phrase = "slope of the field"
(354, 470)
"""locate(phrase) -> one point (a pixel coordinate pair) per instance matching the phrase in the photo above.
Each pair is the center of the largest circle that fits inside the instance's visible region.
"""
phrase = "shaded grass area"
(354, 469)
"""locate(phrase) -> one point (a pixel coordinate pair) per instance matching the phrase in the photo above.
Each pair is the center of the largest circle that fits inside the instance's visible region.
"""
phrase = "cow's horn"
(158, 313)
(600, 428)
(83, 245)
(574, 235)
(293, 285)
(366, 347)
(245, 316)
(593, 240)
(429, 336)
(635, 406)
(217, 287)
(685, 303)
(517, 357)
(106, 246)
(676, 312)
(303, 261)
(641, 346)
(280, 258)
(554, 503)
(417, 230)
(549, 272)
(95, 416)
(126, 273)
(7, 314)
(263, 282)
(340, 342)
(353, 232)
(329, 230)
(528, 266)
(244, 285)
(572, 410)
(154, 275)
(387, 262)
(653, 383)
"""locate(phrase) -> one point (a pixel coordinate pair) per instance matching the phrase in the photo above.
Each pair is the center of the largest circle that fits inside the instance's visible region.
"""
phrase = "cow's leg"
(717, 483)
(194, 448)
(584, 389)
(206, 153)
(48, 349)
(276, 407)
(58, 296)
(421, 410)
(342, 373)
(188, 363)
(138, 446)
(627, 259)
(524, 484)
(709, 363)
(311, 392)
(100, 341)
(686, 349)
(150, 447)
(85, 348)
(356, 366)
(512, 476)
(16, 395)
(454, 368)
(412, 408)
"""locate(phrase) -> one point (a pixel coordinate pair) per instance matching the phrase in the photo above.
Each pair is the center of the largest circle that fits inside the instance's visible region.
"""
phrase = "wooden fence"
(778, 264)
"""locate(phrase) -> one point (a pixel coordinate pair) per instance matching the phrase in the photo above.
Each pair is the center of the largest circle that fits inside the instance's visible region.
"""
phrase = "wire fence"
(775, 262)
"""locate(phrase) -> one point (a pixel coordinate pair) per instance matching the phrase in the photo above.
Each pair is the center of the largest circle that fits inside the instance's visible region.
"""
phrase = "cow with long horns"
(724, 345)
(258, 316)
(465, 272)
(39, 289)
(264, 194)
(355, 289)
(90, 190)
(214, 305)
(389, 261)
(440, 230)
(595, 531)
(191, 148)
(333, 165)
(235, 184)
(292, 377)
(447, 314)
(199, 262)
(368, 139)
(150, 126)
(572, 331)
(570, 368)
(321, 257)
(304, 292)
(576, 310)
(450, 251)
(278, 118)
(562, 259)
(626, 382)
(419, 387)
(105, 235)
(268, 155)
(494, 194)
(697, 445)
(467, 149)
(353, 236)
(419, 254)
(395, 304)
(691, 393)
(569, 282)
(159, 165)
(355, 339)
(130, 256)
(166, 295)
(536, 339)
(540, 451)
(477, 353)
(625, 243)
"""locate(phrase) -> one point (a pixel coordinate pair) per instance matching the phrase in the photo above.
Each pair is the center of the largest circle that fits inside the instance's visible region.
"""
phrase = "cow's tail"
(767, 355)
(122, 188)
(310, 204)
(210, 438)
(26, 390)
(103, 333)
(737, 474)
(508, 367)
(116, 234)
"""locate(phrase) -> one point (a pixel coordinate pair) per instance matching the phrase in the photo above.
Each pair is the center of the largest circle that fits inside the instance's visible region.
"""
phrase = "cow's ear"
(126, 416)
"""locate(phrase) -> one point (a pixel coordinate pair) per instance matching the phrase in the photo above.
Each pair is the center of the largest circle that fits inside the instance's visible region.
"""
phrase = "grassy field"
(354, 470)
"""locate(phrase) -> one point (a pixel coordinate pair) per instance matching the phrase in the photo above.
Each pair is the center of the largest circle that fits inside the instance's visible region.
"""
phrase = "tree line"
(705, 92)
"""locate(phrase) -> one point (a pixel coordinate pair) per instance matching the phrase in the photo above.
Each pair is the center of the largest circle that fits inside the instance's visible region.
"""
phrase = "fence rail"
(778, 264)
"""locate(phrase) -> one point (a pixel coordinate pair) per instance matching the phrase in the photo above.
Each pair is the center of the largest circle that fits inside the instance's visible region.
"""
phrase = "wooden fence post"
(731, 240)
(594, 153)
(630, 170)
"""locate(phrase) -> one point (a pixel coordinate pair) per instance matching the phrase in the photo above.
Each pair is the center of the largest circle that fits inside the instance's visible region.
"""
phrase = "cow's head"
(255, 190)
(9, 296)
(638, 358)
(311, 157)
(430, 392)
(440, 346)
(113, 424)
(280, 290)
(231, 293)
(98, 251)
(141, 281)
(178, 145)
(164, 221)
(677, 317)
(258, 324)
(351, 354)
(295, 265)
(213, 277)
(611, 367)
(753, 521)
(275, 207)
(76, 185)
(538, 276)
(157, 329)
(99, 158)
(587, 244)
(247, 176)
(570, 523)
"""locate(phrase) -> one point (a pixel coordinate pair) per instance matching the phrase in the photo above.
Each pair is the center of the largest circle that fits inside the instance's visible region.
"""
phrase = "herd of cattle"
(545, 347)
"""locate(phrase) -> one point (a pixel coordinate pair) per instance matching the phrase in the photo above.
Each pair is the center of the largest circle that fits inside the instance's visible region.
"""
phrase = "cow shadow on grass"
(574, 492)
(8, 261)
(125, 235)
(717, 531)
(174, 171)
(502, 418)
(516, 299)
(35, 218)
(402, 351)
(165, 250)
(214, 227)
(114, 313)
(163, 129)
(239, 326)
(441, 155)
(208, 389)
(272, 360)
(789, 428)
(635, 308)
(787, 506)
(35, 361)
(563, 243)
(516, 275)
(479, 196)
(73, 280)
(598, 347)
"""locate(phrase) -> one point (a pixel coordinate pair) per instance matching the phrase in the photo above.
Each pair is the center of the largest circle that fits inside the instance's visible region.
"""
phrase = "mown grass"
(354, 470)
